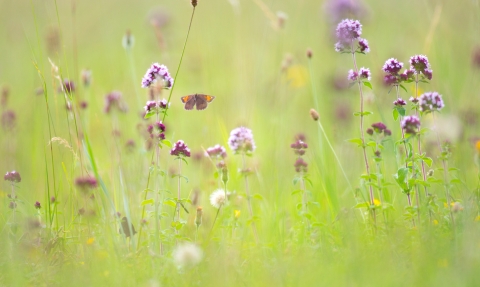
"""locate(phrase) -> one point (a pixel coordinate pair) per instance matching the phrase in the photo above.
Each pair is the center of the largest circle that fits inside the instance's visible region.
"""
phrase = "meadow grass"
(102, 203)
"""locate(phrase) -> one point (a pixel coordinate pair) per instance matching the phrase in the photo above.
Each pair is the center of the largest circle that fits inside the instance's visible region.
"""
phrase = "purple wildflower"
(339, 47)
(12, 176)
(392, 66)
(348, 30)
(157, 130)
(8, 119)
(37, 205)
(340, 9)
(86, 182)
(352, 75)
(86, 77)
(299, 147)
(370, 131)
(241, 140)
(180, 149)
(153, 105)
(216, 151)
(114, 100)
(428, 74)
(411, 124)
(379, 127)
(300, 165)
(157, 71)
(365, 73)
(420, 64)
(68, 86)
(407, 75)
(430, 102)
(414, 100)
(399, 102)
(363, 44)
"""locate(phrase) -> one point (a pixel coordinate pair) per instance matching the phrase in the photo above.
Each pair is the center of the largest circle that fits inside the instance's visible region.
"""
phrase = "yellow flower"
(297, 75)
(435, 222)
(376, 202)
(90, 241)
(236, 213)
(477, 146)
(477, 218)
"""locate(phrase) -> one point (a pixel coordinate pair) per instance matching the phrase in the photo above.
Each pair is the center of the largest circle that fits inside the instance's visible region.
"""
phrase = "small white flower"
(218, 198)
(187, 254)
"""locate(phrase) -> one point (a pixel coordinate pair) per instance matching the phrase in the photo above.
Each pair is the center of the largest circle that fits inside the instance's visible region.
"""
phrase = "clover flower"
(157, 71)
(241, 140)
(12, 176)
(216, 151)
(430, 102)
(187, 254)
(180, 149)
(411, 124)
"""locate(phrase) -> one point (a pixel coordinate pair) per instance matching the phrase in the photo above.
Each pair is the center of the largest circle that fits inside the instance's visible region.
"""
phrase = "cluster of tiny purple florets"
(180, 149)
(157, 130)
(392, 69)
(241, 140)
(299, 147)
(379, 128)
(113, 100)
(86, 182)
(363, 74)
(217, 151)
(156, 105)
(12, 176)
(420, 64)
(157, 71)
(411, 124)
(430, 102)
(347, 32)
(399, 102)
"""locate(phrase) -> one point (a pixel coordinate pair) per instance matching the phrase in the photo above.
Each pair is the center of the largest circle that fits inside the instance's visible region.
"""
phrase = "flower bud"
(198, 218)
(314, 114)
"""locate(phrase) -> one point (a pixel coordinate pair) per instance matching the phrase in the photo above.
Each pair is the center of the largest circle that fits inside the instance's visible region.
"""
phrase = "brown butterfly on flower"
(199, 100)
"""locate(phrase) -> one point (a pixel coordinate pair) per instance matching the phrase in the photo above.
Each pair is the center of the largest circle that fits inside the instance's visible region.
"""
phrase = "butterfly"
(200, 100)
(125, 228)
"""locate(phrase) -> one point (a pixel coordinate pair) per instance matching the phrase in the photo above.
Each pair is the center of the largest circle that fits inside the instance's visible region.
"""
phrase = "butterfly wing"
(189, 101)
(203, 100)
(126, 228)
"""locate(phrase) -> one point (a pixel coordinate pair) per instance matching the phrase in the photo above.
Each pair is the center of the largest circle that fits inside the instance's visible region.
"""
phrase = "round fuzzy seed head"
(37, 205)
(218, 198)
(187, 254)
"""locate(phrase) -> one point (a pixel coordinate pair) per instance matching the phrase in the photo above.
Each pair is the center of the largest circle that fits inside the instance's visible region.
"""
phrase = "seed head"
(194, 3)
(187, 254)
(218, 198)
(314, 114)
(198, 217)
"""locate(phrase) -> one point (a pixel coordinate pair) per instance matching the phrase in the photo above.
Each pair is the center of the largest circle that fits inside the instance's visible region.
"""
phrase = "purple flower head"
(348, 30)
(12, 176)
(163, 104)
(86, 182)
(340, 9)
(339, 47)
(428, 73)
(157, 130)
(241, 140)
(114, 100)
(68, 86)
(430, 102)
(8, 119)
(414, 100)
(365, 73)
(390, 80)
(180, 149)
(387, 132)
(419, 63)
(363, 45)
(379, 127)
(400, 102)
(300, 165)
(37, 205)
(157, 71)
(155, 106)
(299, 147)
(352, 75)
(392, 66)
(411, 124)
(370, 131)
(216, 151)
(407, 75)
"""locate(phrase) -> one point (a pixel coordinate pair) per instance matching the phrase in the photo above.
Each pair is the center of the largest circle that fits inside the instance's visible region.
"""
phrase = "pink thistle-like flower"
(180, 149)
(430, 102)
(216, 151)
(241, 140)
(12, 176)
(411, 124)
(157, 71)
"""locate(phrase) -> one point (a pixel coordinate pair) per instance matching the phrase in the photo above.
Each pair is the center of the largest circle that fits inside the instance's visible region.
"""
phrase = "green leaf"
(258, 196)
(366, 113)
(455, 181)
(149, 114)
(170, 202)
(428, 161)
(357, 141)
(372, 144)
(401, 176)
(148, 201)
(401, 86)
(395, 114)
(215, 175)
(367, 84)
(362, 205)
(167, 143)
(296, 191)
(453, 169)
(401, 111)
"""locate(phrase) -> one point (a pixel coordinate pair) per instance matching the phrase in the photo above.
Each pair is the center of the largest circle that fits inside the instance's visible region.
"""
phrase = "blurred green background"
(255, 64)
